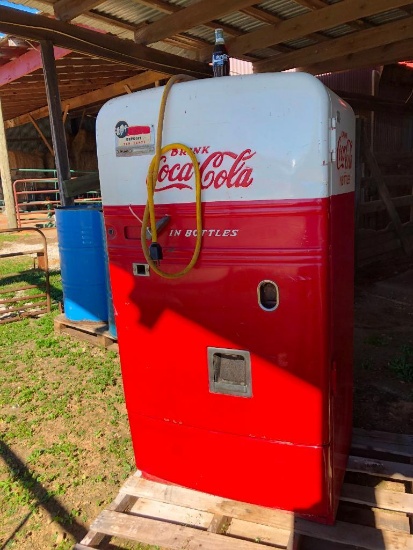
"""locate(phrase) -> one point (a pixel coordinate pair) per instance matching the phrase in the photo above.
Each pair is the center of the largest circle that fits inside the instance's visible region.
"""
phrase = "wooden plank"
(345, 45)
(90, 98)
(268, 17)
(302, 25)
(80, 39)
(219, 524)
(381, 468)
(82, 184)
(172, 512)
(191, 16)
(400, 444)
(391, 181)
(66, 10)
(357, 535)
(165, 535)
(61, 154)
(377, 498)
(383, 190)
(120, 504)
(259, 533)
(319, 4)
(373, 517)
(173, 494)
(41, 134)
(26, 64)
(383, 55)
(294, 542)
(379, 205)
(81, 335)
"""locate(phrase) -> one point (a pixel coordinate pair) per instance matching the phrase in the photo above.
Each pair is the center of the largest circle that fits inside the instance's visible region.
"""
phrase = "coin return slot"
(268, 298)
(229, 372)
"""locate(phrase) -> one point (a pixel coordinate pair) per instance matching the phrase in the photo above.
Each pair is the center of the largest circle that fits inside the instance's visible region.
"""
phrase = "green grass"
(8, 237)
(65, 446)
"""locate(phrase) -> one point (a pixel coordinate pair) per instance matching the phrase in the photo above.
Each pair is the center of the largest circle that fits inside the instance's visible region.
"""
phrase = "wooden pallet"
(95, 333)
(369, 517)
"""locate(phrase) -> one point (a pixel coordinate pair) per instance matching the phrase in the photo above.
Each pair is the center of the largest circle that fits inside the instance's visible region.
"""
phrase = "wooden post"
(6, 176)
(55, 116)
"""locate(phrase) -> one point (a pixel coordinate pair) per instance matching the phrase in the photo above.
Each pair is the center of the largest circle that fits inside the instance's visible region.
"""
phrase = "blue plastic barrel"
(82, 262)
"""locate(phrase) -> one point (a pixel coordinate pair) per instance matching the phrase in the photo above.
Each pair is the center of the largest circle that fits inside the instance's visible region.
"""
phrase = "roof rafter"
(97, 96)
(25, 64)
(66, 10)
(267, 17)
(186, 18)
(319, 4)
(390, 53)
(38, 27)
(346, 45)
(300, 26)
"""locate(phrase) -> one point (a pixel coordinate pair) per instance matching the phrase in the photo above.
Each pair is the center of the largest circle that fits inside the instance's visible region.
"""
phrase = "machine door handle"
(160, 225)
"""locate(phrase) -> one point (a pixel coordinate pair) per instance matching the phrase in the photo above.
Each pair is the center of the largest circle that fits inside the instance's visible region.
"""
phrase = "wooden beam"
(83, 184)
(56, 122)
(66, 10)
(25, 64)
(229, 30)
(79, 39)
(364, 102)
(192, 16)
(6, 176)
(390, 53)
(349, 44)
(97, 96)
(302, 25)
(267, 17)
(319, 4)
(41, 134)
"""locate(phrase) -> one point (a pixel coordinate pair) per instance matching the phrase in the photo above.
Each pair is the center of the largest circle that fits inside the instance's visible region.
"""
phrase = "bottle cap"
(219, 35)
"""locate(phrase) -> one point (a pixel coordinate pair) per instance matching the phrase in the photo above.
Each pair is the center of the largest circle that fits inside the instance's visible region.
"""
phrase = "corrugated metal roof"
(336, 32)
(122, 17)
(132, 12)
(387, 17)
(284, 8)
(301, 43)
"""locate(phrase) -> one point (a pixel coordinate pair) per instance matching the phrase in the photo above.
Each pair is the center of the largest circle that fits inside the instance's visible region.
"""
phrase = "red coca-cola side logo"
(344, 152)
(218, 169)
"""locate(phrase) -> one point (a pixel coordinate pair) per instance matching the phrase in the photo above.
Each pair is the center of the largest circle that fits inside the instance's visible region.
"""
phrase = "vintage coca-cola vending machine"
(237, 375)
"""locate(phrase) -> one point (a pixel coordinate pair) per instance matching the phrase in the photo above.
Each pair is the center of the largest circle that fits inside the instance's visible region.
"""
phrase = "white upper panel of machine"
(256, 137)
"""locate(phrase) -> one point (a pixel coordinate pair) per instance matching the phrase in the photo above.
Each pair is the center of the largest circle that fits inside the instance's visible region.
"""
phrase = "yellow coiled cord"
(151, 179)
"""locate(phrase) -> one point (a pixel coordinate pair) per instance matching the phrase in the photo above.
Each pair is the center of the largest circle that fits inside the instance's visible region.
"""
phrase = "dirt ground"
(383, 344)
(383, 400)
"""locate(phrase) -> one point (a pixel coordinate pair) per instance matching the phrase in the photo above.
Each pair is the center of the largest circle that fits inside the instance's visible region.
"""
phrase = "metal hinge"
(333, 140)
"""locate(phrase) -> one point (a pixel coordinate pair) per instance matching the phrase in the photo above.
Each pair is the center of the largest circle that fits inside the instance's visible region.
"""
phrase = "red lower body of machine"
(286, 446)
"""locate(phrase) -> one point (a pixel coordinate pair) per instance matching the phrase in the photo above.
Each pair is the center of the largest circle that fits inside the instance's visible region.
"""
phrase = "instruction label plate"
(134, 140)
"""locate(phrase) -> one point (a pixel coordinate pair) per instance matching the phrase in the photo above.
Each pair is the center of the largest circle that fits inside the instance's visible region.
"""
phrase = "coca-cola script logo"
(344, 152)
(218, 169)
